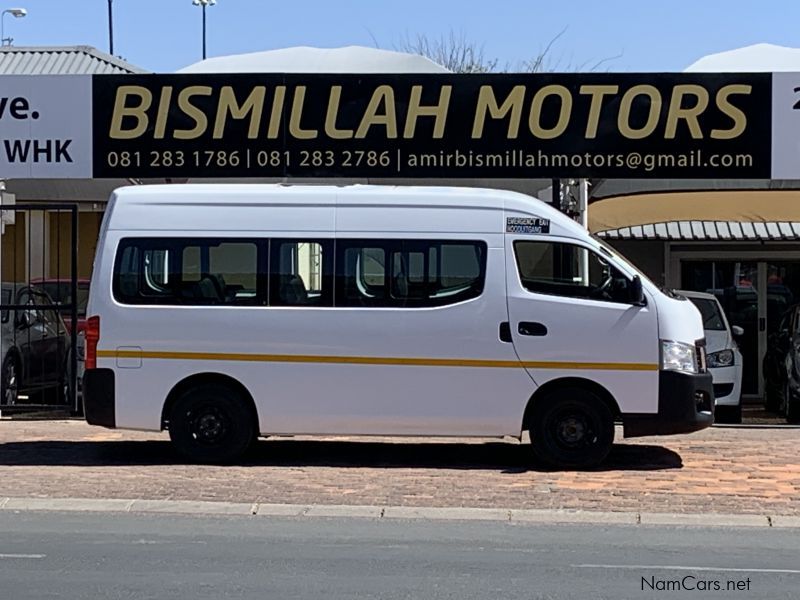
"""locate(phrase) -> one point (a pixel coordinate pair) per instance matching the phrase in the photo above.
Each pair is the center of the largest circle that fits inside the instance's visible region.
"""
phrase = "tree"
(460, 55)
(452, 51)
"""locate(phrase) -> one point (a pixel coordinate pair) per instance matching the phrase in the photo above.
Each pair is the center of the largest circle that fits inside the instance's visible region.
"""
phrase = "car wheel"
(9, 381)
(728, 414)
(792, 408)
(772, 400)
(572, 428)
(211, 424)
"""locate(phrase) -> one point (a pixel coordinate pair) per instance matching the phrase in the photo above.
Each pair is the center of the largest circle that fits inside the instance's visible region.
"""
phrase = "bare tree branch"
(452, 51)
(456, 53)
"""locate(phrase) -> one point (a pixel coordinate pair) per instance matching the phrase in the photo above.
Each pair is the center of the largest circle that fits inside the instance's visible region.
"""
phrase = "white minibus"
(222, 313)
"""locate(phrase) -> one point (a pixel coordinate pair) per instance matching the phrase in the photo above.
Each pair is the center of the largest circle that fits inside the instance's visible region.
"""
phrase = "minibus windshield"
(616, 255)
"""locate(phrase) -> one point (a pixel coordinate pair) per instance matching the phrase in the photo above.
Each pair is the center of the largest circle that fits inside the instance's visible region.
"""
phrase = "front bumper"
(98, 397)
(727, 385)
(685, 404)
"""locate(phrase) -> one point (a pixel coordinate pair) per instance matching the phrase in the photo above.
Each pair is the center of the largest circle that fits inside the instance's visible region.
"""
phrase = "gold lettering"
(254, 105)
(330, 118)
(277, 111)
(122, 110)
(191, 111)
(297, 115)
(487, 102)
(735, 113)
(163, 112)
(624, 117)
(383, 95)
(534, 120)
(677, 112)
(596, 92)
(438, 111)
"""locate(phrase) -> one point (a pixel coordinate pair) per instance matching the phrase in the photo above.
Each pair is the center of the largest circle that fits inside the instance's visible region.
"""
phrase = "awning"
(717, 215)
(706, 231)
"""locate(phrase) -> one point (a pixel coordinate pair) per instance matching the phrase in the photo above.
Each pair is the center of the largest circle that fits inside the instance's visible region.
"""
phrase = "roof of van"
(420, 197)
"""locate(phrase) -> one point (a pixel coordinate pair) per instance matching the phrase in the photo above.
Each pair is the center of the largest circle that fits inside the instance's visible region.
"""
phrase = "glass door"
(736, 285)
(755, 296)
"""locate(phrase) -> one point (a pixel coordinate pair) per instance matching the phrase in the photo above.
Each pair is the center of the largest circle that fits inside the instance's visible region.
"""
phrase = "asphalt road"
(97, 556)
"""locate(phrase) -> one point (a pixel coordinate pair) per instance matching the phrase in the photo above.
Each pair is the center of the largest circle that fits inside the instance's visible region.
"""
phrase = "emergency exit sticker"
(527, 225)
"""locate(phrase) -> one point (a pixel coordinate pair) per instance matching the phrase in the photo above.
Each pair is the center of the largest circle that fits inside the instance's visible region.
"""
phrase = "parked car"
(790, 405)
(723, 356)
(774, 363)
(59, 290)
(35, 348)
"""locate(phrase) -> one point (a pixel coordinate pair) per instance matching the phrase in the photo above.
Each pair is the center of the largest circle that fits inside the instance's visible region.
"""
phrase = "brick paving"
(720, 470)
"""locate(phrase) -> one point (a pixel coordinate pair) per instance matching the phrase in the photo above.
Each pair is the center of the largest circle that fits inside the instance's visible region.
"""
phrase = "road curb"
(390, 513)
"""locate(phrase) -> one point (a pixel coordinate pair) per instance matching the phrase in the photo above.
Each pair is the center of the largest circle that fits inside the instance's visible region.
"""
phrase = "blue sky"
(643, 35)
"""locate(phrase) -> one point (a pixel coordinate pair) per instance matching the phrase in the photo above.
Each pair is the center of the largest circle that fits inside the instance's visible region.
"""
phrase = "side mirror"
(636, 293)
(24, 320)
(737, 331)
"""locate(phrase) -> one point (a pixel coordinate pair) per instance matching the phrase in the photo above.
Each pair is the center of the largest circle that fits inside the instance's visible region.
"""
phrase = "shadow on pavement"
(508, 458)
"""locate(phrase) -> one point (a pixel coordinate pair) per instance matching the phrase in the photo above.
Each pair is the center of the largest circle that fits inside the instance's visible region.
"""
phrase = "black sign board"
(444, 126)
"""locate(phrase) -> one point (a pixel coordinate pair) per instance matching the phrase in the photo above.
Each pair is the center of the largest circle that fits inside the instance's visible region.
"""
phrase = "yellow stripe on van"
(376, 360)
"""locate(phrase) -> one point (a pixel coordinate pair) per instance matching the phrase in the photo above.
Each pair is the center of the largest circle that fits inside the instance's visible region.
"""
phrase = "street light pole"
(204, 4)
(110, 27)
(17, 13)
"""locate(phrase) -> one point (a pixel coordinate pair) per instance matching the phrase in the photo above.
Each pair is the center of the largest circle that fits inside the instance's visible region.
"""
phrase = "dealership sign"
(445, 126)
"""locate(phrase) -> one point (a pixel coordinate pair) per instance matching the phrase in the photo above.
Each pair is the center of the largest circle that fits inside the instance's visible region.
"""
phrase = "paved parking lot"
(722, 470)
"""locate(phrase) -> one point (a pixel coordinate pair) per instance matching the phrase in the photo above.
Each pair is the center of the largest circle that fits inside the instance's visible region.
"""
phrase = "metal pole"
(583, 212)
(73, 334)
(110, 28)
(204, 31)
(583, 202)
(3, 28)
(555, 197)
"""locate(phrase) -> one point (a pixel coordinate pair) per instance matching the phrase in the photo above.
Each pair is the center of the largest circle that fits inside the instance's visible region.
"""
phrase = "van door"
(413, 345)
(570, 316)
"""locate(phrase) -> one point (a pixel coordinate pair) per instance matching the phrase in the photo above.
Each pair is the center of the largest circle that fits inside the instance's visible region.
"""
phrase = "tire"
(9, 381)
(772, 399)
(571, 428)
(211, 424)
(728, 414)
(65, 384)
(792, 408)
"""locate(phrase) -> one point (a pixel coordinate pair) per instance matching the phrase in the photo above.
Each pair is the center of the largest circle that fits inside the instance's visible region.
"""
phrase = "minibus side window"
(179, 271)
(301, 272)
(408, 273)
(563, 269)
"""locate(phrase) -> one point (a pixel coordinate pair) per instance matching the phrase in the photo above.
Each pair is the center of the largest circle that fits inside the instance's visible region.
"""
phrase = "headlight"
(677, 356)
(723, 358)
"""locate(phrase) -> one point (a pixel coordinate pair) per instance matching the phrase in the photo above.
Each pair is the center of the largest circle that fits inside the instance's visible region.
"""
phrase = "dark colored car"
(35, 348)
(774, 363)
(59, 291)
(782, 366)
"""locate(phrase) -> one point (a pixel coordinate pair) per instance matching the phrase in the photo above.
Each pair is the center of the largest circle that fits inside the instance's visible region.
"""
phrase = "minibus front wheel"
(571, 428)
(211, 424)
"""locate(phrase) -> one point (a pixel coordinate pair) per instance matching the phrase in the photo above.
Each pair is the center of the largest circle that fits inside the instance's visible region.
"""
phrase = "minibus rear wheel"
(211, 424)
(571, 428)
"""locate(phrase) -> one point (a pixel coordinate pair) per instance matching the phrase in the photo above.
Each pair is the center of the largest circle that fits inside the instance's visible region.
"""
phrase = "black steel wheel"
(9, 381)
(571, 428)
(211, 424)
